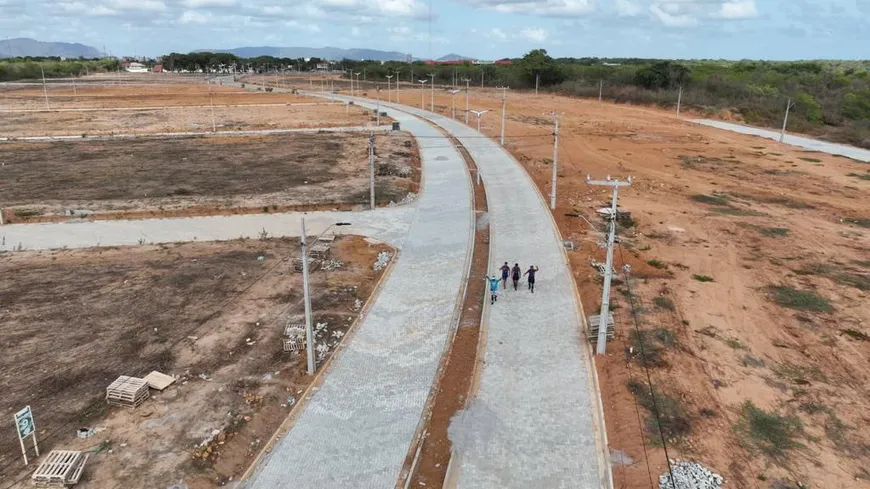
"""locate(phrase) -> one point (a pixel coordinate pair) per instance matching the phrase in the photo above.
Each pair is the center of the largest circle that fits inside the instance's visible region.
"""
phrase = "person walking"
(531, 273)
(516, 274)
(505, 271)
(493, 288)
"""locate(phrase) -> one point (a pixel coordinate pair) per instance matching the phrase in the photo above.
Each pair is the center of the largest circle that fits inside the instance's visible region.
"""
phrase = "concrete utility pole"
(608, 266)
(372, 169)
(600, 89)
(378, 110)
(432, 90)
(555, 161)
(453, 98)
(397, 86)
(467, 81)
(788, 107)
(481, 77)
(422, 94)
(309, 330)
(211, 102)
(679, 101)
(503, 109)
(537, 82)
(44, 90)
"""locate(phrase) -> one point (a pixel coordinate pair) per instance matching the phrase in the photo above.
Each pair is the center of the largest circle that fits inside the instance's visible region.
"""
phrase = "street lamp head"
(422, 81)
(342, 224)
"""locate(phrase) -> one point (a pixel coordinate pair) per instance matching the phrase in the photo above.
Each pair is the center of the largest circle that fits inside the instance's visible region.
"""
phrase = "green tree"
(538, 63)
(663, 75)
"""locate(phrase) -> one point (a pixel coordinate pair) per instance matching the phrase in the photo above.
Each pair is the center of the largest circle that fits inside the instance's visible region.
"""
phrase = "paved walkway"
(357, 428)
(813, 144)
(532, 422)
(386, 224)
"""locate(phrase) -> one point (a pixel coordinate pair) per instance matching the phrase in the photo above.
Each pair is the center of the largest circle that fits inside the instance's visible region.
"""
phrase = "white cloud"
(668, 16)
(193, 17)
(146, 5)
(411, 9)
(497, 33)
(627, 8)
(533, 34)
(209, 3)
(355, 32)
(739, 9)
(273, 10)
(545, 8)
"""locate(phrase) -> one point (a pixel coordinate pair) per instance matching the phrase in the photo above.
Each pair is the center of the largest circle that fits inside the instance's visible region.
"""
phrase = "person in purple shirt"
(516, 274)
(531, 273)
(493, 288)
(505, 271)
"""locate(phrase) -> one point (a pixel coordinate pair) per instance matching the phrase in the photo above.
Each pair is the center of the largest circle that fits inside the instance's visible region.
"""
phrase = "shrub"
(771, 433)
(672, 421)
(711, 199)
(657, 264)
(702, 278)
(798, 299)
(664, 303)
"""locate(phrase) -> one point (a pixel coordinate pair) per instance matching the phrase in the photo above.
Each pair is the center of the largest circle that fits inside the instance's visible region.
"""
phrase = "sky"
(484, 29)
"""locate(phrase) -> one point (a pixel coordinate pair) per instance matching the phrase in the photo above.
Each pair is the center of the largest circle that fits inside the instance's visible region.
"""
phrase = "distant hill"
(329, 53)
(23, 46)
(454, 57)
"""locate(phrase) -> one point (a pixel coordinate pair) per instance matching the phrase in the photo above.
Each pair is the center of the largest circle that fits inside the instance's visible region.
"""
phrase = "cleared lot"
(153, 177)
(210, 313)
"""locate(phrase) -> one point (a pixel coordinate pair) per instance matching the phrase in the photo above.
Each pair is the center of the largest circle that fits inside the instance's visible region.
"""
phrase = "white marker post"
(26, 427)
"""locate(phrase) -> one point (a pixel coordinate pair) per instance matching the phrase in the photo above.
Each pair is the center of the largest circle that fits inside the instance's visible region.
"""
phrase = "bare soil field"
(211, 314)
(750, 269)
(132, 107)
(159, 177)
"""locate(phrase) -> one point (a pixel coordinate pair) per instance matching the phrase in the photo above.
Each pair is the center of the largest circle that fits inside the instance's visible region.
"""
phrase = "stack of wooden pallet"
(294, 337)
(312, 264)
(593, 326)
(62, 468)
(127, 391)
(319, 250)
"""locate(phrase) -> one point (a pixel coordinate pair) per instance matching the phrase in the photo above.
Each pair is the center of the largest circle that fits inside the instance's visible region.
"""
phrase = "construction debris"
(127, 392)
(61, 468)
(159, 381)
(690, 475)
(594, 322)
(383, 259)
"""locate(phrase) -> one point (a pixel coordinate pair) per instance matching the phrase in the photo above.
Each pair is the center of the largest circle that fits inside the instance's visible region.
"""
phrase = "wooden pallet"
(319, 251)
(61, 468)
(127, 391)
(295, 343)
(158, 380)
(313, 264)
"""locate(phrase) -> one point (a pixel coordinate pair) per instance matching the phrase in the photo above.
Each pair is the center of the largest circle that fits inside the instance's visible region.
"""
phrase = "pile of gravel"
(690, 475)
(383, 259)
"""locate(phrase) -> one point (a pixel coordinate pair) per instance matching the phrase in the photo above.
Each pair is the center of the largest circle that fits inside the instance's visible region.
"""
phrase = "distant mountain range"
(329, 53)
(23, 46)
(455, 57)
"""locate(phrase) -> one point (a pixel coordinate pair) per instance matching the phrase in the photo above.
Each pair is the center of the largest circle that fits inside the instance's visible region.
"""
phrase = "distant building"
(157, 69)
(461, 62)
(322, 66)
(135, 67)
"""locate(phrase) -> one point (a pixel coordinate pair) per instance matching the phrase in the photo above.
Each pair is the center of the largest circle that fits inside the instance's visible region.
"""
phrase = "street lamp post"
(432, 87)
(389, 78)
(309, 330)
(479, 113)
(357, 82)
(453, 99)
(397, 86)
(422, 94)
(467, 81)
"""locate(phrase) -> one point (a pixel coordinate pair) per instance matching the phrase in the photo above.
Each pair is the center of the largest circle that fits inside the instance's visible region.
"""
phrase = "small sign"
(26, 427)
(24, 422)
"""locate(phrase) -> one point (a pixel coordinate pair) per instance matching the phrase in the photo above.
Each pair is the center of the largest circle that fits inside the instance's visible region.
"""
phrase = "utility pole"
(389, 78)
(467, 81)
(503, 108)
(537, 82)
(211, 102)
(372, 169)
(309, 330)
(555, 161)
(75, 92)
(397, 86)
(481, 77)
(432, 98)
(788, 107)
(600, 89)
(378, 110)
(453, 99)
(679, 101)
(44, 90)
(608, 265)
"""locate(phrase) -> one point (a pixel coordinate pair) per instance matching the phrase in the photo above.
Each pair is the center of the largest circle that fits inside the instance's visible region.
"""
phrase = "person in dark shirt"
(531, 273)
(505, 271)
(517, 273)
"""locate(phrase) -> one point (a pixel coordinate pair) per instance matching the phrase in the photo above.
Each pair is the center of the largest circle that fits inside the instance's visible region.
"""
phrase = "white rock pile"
(690, 475)
(383, 259)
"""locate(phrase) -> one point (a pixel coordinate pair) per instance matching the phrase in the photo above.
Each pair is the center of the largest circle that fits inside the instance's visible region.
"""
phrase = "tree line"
(26, 68)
